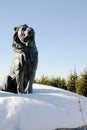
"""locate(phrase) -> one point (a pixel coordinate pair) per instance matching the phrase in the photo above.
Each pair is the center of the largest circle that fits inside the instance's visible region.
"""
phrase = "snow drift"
(47, 108)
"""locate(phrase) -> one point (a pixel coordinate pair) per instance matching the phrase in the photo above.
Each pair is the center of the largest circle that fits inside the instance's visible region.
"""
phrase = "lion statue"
(23, 69)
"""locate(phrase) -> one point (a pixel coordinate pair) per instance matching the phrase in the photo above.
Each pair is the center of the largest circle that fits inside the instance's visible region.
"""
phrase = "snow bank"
(47, 108)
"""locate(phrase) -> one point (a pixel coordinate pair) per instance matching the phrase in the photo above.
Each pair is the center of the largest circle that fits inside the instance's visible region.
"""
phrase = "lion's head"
(23, 37)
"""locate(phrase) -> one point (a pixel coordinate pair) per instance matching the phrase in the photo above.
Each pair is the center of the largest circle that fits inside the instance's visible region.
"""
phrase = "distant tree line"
(74, 83)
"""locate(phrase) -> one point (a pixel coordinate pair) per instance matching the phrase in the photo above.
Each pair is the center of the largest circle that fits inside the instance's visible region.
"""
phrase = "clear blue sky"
(61, 34)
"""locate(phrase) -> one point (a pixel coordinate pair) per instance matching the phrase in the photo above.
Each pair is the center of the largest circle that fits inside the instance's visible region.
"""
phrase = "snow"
(47, 108)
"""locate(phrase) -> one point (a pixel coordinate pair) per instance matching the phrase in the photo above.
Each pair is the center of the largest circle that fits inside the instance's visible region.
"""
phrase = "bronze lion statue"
(23, 69)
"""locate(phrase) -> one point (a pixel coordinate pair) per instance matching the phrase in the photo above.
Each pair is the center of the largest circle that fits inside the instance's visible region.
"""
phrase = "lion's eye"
(23, 29)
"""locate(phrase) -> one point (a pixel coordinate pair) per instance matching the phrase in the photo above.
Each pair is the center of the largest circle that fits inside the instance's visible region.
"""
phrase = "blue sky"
(61, 34)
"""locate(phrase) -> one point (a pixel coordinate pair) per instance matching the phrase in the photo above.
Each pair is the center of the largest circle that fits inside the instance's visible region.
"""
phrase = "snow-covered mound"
(47, 108)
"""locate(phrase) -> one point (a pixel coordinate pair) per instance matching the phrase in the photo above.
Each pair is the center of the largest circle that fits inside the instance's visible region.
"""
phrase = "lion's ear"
(15, 28)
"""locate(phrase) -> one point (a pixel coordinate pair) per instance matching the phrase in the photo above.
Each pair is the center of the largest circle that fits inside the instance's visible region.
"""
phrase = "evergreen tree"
(82, 84)
(44, 80)
(55, 82)
(72, 82)
(58, 82)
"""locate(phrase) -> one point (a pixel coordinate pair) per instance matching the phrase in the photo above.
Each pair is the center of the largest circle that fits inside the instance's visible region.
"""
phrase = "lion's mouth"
(28, 38)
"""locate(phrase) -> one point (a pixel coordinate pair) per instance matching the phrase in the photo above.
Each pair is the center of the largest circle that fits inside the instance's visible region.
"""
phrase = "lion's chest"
(25, 61)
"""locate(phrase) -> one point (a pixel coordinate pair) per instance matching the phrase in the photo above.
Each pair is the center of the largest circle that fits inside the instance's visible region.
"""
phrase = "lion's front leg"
(19, 80)
(30, 83)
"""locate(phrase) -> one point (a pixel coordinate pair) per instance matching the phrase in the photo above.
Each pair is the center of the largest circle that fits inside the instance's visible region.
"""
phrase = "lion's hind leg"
(10, 84)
